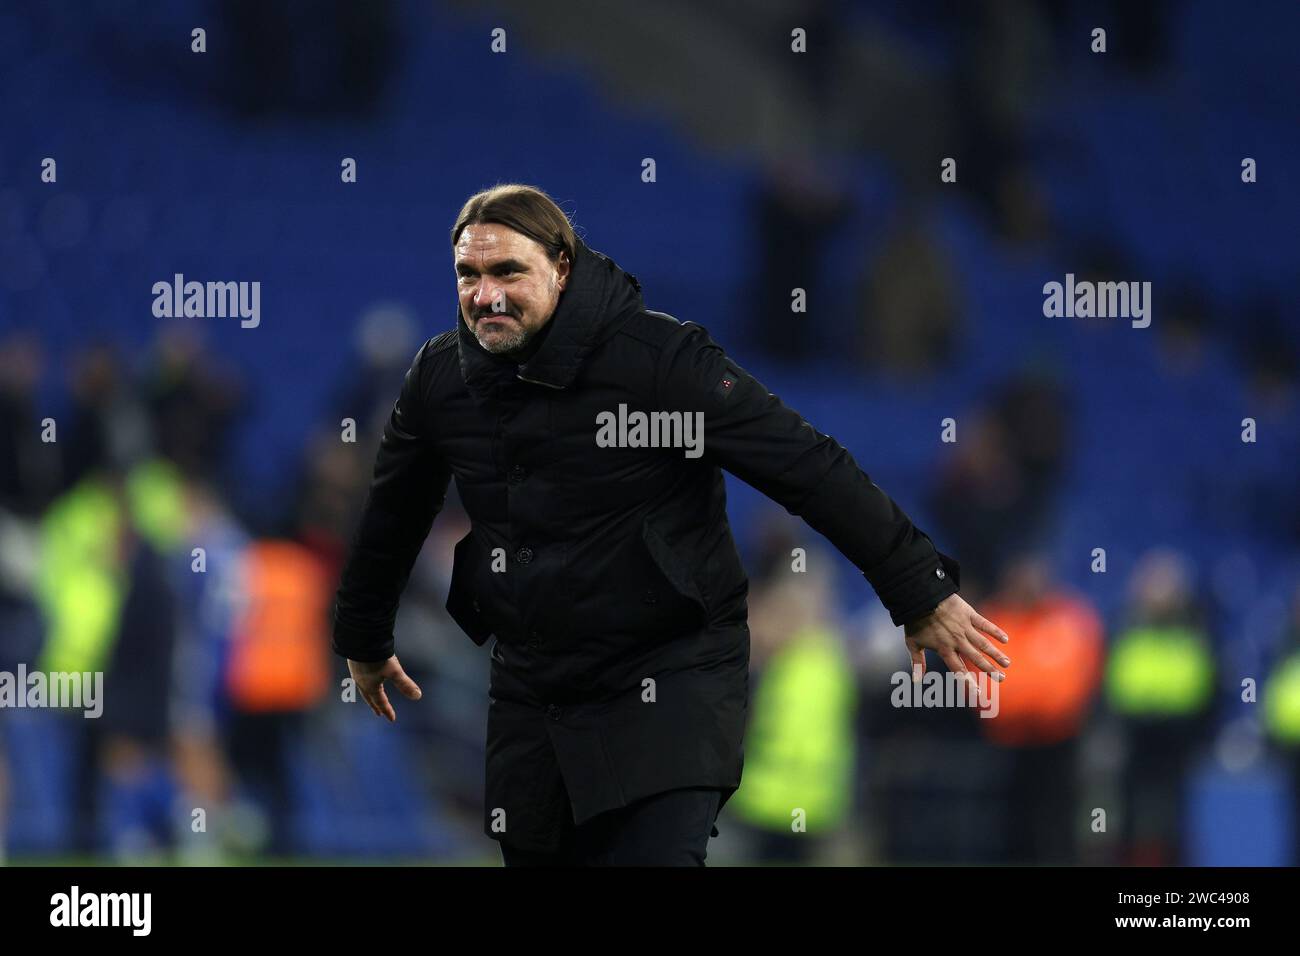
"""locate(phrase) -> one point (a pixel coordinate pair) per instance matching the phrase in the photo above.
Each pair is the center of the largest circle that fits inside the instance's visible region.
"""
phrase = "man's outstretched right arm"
(406, 493)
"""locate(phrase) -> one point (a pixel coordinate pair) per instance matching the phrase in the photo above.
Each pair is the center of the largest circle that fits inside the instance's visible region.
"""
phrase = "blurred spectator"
(909, 313)
(210, 592)
(28, 479)
(1266, 482)
(29, 470)
(1055, 672)
(796, 208)
(1280, 699)
(1183, 335)
(998, 489)
(192, 401)
(1271, 360)
(109, 421)
(1159, 684)
(989, 100)
(385, 342)
(331, 485)
(799, 752)
(107, 606)
(330, 492)
(928, 776)
(1035, 411)
(277, 671)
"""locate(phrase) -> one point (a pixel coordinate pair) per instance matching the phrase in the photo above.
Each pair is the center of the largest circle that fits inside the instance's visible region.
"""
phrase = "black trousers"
(667, 829)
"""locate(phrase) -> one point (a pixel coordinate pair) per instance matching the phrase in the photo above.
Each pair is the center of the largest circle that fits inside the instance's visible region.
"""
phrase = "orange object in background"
(279, 660)
(1056, 650)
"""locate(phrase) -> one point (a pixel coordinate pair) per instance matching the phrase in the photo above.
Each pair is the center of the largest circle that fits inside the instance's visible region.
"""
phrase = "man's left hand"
(953, 631)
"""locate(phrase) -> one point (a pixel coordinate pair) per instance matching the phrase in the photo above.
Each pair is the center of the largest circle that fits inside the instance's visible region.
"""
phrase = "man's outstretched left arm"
(751, 433)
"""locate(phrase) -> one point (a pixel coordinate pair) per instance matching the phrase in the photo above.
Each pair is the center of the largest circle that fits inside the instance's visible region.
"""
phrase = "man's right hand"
(370, 679)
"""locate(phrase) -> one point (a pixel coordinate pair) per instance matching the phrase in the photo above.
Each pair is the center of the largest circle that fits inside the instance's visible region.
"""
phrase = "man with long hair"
(587, 437)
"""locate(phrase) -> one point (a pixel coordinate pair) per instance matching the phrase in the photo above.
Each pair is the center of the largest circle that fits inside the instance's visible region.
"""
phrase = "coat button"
(517, 474)
(553, 712)
(477, 609)
(524, 555)
(649, 598)
(938, 573)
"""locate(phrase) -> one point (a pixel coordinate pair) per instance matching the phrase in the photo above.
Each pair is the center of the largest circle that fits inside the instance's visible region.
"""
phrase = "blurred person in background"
(1040, 715)
(278, 670)
(796, 207)
(1002, 56)
(385, 338)
(108, 422)
(1000, 486)
(193, 401)
(1280, 698)
(114, 566)
(1159, 686)
(1183, 338)
(29, 474)
(977, 498)
(927, 775)
(210, 594)
(137, 721)
(910, 320)
(29, 467)
(324, 503)
(1266, 486)
(799, 746)
(108, 606)
(276, 673)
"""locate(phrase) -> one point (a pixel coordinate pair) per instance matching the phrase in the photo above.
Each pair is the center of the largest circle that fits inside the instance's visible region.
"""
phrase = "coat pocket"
(675, 571)
(463, 600)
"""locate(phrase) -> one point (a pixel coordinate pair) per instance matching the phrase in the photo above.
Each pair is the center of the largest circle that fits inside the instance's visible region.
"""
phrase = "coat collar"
(597, 296)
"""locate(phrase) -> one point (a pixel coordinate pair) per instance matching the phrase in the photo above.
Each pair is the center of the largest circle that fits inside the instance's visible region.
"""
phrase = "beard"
(503, 341)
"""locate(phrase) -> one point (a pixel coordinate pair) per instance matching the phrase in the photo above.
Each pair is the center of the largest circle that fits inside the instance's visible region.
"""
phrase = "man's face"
(508, 288)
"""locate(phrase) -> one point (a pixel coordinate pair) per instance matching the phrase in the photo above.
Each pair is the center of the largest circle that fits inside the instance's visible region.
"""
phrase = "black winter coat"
(607, 575)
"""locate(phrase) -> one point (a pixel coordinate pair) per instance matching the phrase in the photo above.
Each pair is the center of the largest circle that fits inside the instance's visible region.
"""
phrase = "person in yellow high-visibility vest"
(87, 575)
(1280, 699)
(1159, 686)
(799, 749)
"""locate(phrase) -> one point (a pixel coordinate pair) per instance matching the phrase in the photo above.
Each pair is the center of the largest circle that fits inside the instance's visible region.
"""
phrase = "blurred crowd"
(123, 552)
